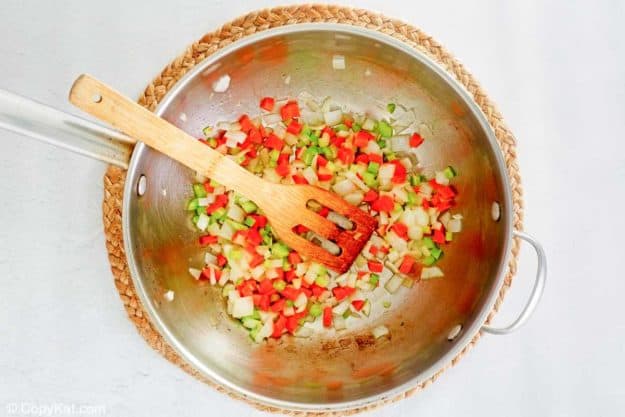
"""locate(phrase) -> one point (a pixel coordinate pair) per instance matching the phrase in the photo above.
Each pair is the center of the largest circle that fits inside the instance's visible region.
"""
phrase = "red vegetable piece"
(292, 323)
(400, 230)
(290, 110)
(221, 260)
(290, 293)
(362, 159)
(279, 326)
(283, 169)
(294, 127)
(324, 174)
(207, 240)
(278, 306)
(254, 136)
(415, 140)
(321, 161)
(383, 203)
(370, 196)
(406, 264)
(374, 266)
(358, 304)
(324, 212)
(245, 123)
(439, 236)
(294, 258)
(256, 260)
(317, 290)
(208, 187)
(346, 156)
(266, 287)
(274, 142)
(362, 138)
(267, 103)
(327, 316)
(260, 221)
(299, 179)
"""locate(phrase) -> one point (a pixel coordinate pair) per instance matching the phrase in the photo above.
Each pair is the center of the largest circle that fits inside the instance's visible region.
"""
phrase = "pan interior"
(347, 367)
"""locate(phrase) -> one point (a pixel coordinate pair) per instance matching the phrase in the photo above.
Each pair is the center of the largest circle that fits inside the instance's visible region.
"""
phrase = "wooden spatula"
(284, 205)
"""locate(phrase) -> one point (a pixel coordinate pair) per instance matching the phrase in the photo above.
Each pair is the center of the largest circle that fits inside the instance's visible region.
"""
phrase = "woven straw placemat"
(249, 24)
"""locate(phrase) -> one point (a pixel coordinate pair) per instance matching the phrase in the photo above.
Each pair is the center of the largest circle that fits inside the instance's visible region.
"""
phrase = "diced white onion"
(354, 198)
(169, 295)
(226, 231)
(221, 84)
(431, 272)
(393, 284)
(209, 258)
(344, 187)
(379, 331)
(441, 178)
(271, 119)
(455, 225)
(264, 331)
(310, 175)
(386, 172)
(202, 222)
(333, 117)
(205, 201)
(340, 220)
(372, 147)
(303, 331)
(341, 308)
(236, 213)
(400, 143)
(339, 323)
(243, 306)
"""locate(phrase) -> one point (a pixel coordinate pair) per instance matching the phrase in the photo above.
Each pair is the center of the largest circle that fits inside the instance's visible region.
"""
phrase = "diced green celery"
(408, 282)
(324, 141)
(199, 190)
(322, 280)
(374, 279)
(250, 323)
(279, 285)
(236, 225)
(249, 221)
(347, 313)
(356, 127)
(373, 167)
(254, 332)
(212, 142)
(412, 198)
(306, 130)
(286, 265)
(428, 242)
(390, 107)
(219, 214)
(429, 260)
(329, 152)
(196, 218)
(256, 314)
(436, 252)
(235, 254)
(267, 237)
(214, 183)
(200, 210)
(385, 130)
(381, 143)
(279, 250)
(315, 310)
(450, 172)
(289, 303)
(390, 156)
(193, 204)
(274, 155)
(449, 236)
(249, 206)
(340, 127)
(370, 179)
(207, 131)
(314, 138)
(415, 179)
(386, 304)
(226, 289)
(309, 155)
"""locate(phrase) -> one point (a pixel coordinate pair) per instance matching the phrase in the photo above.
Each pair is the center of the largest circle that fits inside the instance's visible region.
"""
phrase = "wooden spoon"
(284, 205)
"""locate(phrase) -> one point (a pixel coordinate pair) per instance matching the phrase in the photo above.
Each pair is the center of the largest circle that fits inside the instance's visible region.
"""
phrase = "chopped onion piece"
(202, 221)
(394, 283)
(339, 323)
(169, 295)
(431, 272)
(333, 117)
(344, 187)
(310, 175)
(236, 213)
(209, 258)
(340, 220)
(226, 231)
(271, 119)
(379, 331)
(303, 331)
(400, 143)
(441, 178)
(341, 308)
(354, 198)
(243, 306)
(205, 201)
(221, 84)
(455, 225)
(264, 331)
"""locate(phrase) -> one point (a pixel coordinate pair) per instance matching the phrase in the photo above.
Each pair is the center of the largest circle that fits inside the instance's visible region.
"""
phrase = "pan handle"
(537, 291)
(27, 117)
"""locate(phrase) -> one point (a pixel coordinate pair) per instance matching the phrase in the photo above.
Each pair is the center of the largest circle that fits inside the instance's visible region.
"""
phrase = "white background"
(556, 70)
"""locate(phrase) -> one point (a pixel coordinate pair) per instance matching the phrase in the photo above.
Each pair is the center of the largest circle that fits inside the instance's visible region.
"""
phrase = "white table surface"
(556, 70)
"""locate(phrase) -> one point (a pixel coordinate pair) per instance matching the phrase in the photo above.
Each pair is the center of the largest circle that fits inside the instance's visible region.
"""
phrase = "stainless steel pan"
(429, 324)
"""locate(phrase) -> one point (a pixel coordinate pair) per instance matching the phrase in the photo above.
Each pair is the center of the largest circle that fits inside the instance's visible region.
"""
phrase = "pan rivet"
(495, 211)
(453, 333)
(96, 98)
(141, 185)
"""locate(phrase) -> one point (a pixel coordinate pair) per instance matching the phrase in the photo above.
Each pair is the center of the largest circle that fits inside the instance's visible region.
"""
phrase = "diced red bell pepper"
(299, 179)
(260, 221)
(317, 290)
(208, 240)
(425, 204)
(253, 236)
(208, 187)
(220, 201)
(373, 250)
(400, 230)
(346, 156)
(406, 264)
(254, 136)
(337, 141)
(324, 212)
(300, 229)
(294, 258)
(374, 157)
(256, 260)
(358, 304)
(370, 196)
(415, 140)
(374, 266)
(362, 138)
(383, 203)
(283, 169)
(321, 161)
(348, 122)
(221, 260)
(292, 323)
(267, 103)
(290, 293)
(289, 276)
(294, 127)
(342, 292)
(247, 287)
(278, 306)
(362, 159)
(245, 123)
(279, 326)
(266, 287)
(439, 236)
(324, 174)
(327, 317)
(400, 174)
(307, 292)
(290, 110)
(274, 142)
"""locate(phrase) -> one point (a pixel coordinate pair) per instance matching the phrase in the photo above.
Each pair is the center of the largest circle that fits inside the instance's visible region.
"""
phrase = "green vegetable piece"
(347, 314)
(306, 130)
(254, 332)
(249, 221)
(386, 304)
(193, 204)
(289, 303)
(208, 130)
(315, 310)
(235, 254)
(279, 250)
(200, 210)
(390, 156)
(340, 127)
(374, 279)
(274, 155)
(415, 179)
(212, 142)
(279, 285)
(324, 141)
(286, 265)
(382, 143)
(236, 225)
(219, 214)
(412, 198)
(428, 242)
(449, 236)
(314, 138)
(199, 190)
(249, 206)
(196, 218)
(250, 323)
(429, 260)
(385, 130)
(356, 127)
(450, 172)
(329, 152)
(322, 280)
(390, 107)
(436, 253)
(373, 168)
(370, 179)
(309, 155)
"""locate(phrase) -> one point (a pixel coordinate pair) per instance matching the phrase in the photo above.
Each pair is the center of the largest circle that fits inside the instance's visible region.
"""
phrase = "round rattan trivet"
(239, 28)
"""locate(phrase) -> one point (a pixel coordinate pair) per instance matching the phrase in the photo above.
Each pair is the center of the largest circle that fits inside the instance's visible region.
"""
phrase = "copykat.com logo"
(28, 408)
